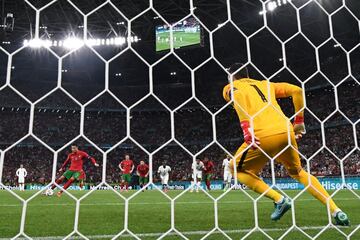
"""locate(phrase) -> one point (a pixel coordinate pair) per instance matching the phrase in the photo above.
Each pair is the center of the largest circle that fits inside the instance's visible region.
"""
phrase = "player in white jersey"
(227, 172)
(164, 171)
(21, 173)
(196, 168)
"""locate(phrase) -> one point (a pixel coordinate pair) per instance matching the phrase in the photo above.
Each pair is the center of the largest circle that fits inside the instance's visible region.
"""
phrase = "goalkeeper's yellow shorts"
(253, 161)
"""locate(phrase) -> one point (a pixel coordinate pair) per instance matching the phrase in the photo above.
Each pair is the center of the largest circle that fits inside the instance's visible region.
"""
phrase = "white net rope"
(267, 5)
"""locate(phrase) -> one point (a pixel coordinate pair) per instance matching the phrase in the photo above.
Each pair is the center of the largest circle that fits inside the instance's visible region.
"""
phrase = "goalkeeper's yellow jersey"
(257, 99)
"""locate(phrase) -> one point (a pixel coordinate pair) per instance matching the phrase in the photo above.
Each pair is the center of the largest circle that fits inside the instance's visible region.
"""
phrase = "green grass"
(188, 38)
(101, 215)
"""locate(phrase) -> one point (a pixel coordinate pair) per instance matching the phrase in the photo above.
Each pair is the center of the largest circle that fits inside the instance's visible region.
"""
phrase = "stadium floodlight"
(272, 5)
(34, 43)
(75, 43)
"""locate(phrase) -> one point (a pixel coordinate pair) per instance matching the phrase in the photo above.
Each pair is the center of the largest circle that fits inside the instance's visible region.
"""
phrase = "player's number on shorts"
(263, 98)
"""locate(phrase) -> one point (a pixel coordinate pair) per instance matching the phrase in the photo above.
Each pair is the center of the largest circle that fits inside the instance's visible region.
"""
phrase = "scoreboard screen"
(185, 33)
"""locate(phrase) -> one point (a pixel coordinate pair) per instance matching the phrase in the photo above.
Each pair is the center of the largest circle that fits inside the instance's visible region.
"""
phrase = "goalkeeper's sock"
(256, 184)
(67, 184)
(316, 189)
(58, 181)
(198, 185)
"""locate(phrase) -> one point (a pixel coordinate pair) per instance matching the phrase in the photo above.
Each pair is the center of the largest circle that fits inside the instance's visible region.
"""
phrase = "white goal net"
(179, 116)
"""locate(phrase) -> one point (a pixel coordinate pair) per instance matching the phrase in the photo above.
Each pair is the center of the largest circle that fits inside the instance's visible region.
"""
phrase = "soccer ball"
(49, 192)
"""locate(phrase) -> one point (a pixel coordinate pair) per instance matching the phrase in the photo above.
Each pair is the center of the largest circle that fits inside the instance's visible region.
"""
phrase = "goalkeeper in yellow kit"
(265, 126)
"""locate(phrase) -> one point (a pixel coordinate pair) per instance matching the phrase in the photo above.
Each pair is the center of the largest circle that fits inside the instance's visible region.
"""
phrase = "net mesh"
(291, 40)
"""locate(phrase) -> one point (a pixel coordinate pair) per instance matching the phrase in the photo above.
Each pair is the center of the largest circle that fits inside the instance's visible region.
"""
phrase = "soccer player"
(142, 171)
(270, 129)
(76, 159)
(197, 167)
(127, 167)
(227, 172)
(208, 171)
(164, 171)
(21, 174)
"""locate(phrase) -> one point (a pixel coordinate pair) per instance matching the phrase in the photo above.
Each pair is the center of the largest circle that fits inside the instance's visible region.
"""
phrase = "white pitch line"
(185, 233)
(157, 203)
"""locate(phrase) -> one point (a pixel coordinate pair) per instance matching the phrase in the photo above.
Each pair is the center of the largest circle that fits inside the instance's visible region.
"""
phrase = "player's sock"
(256, 184)
(280, 201)
(315, 188)
(227, 185)
(67, 184)
(58, 181)
(208, 184)
(335, 212)
(126, 186)
(198, 185)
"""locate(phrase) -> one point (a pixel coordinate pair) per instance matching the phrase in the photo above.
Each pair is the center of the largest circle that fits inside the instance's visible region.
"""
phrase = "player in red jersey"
(76, 159)
(127, 167)
(142, 171)
(208, 171)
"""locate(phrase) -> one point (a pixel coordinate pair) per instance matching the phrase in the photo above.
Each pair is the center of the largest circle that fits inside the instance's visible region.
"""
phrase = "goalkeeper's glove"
(245, 125)
(299, 127)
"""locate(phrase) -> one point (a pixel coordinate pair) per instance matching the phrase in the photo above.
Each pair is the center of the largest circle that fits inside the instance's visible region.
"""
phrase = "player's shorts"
(21, 180)
(164, 179)
(252, 161)
(227, 176)
(197, 175)
(126, 177)
(143, 180)
(208, 176)
(69, 174)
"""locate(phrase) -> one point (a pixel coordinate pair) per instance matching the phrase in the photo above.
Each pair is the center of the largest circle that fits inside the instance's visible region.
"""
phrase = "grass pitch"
(102, 213)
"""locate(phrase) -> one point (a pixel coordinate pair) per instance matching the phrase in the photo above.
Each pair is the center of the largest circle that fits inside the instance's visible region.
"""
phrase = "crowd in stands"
(57, 121)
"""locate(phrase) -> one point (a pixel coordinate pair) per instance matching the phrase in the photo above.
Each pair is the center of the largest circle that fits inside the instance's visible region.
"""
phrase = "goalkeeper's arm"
(284, 90)
(240, 105)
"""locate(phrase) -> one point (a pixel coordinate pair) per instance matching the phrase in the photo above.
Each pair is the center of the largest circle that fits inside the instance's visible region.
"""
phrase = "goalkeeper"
(269, 130)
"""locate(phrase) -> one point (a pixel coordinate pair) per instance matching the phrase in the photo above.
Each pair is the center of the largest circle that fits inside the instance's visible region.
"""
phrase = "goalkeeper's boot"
(342, 219)
(281, 209)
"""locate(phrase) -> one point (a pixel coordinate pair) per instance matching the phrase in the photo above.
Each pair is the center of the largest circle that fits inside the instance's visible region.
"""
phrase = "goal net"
(144, 80)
